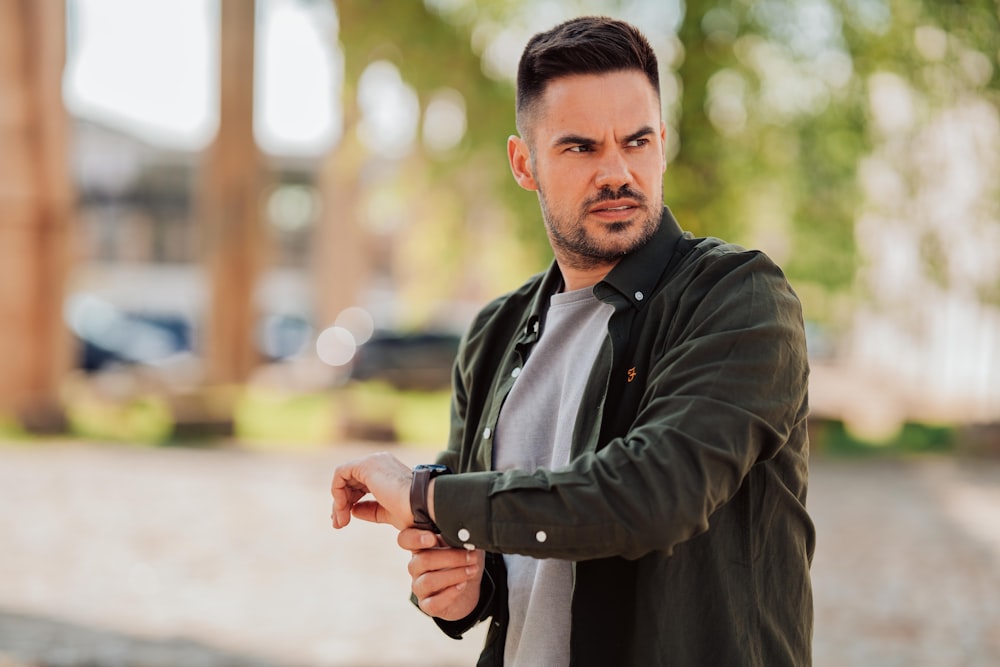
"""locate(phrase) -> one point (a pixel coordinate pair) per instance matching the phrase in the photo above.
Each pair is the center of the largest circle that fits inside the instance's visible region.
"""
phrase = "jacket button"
(464, 535)
(639, 296)
(487, 432)
(514, 373)
(540, 536)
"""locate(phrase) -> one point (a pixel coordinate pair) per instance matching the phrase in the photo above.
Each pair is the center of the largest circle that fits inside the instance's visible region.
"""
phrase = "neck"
(577, 277)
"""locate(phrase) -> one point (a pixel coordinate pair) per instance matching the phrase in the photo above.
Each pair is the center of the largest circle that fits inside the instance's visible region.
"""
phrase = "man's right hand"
(445, 580)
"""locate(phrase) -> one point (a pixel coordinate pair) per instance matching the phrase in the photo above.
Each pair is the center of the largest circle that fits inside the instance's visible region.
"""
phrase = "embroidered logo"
(631, 374)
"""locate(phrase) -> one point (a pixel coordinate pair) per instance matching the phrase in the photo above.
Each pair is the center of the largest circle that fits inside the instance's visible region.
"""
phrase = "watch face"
(433, 468)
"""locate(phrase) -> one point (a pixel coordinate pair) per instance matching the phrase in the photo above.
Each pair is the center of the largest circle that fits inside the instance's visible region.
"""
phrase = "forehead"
(592, 104)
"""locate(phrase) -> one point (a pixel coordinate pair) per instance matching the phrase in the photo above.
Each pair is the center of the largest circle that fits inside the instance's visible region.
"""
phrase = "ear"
(663, 147)
(520, 162)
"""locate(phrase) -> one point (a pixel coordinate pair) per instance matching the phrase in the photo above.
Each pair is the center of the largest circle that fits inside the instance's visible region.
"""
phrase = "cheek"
(575, 179)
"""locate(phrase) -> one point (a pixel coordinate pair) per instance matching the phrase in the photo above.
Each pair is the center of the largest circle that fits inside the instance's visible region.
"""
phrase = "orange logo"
(631, 374)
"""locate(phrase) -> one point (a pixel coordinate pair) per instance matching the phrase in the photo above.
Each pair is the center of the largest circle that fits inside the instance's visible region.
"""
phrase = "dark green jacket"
(683, 506)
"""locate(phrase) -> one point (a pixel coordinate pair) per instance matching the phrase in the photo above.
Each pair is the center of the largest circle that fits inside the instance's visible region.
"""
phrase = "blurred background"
(239, 240)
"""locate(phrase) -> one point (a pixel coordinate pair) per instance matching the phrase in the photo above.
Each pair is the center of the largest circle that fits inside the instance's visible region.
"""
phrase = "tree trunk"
(230, 215)
(36, 200)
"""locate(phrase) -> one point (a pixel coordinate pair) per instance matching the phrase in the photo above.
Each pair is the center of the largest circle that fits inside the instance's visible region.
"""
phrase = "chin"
(625, 241)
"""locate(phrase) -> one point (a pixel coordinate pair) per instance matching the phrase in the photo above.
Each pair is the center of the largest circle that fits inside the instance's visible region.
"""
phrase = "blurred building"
(140, 247)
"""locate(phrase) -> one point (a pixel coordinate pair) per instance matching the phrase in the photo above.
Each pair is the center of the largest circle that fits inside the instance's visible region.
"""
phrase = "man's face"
(594, 153)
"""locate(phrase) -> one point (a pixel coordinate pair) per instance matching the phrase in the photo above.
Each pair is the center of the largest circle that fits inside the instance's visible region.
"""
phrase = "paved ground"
(119, 557)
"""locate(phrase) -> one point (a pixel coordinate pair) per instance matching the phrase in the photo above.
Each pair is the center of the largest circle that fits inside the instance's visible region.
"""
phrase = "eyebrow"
(572, 140)
(577, 140)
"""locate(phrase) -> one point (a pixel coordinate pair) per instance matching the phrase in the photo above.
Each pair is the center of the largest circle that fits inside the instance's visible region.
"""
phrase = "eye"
(584, 148)
(637, 143)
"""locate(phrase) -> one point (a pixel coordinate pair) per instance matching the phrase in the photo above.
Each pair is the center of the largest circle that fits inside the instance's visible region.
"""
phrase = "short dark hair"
(585, 45)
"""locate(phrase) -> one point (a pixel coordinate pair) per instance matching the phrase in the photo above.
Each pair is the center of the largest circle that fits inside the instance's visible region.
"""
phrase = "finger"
(346, 491)
(344, 476)
(341, 514)
(442, 603)
(339, 519)
(414, 539)
(429, 560)
(434, 583)
(343, 500)
(370, 511)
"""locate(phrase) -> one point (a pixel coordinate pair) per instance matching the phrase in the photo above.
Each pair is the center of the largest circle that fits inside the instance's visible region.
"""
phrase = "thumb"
(371, 511)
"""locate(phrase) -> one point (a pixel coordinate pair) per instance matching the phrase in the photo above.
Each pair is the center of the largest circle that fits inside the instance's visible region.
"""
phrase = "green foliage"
(415, 417)
(822, 233)
(140, 419)
(263, 417)
(778, 169)
(11, 428)
(357, 411)
(834, 438)
(459, 195)
(773, 116)
(422, 417)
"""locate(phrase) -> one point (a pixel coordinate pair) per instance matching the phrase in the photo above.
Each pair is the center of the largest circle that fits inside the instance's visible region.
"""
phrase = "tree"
(772, 112)
(233, 234)
(451, 196)
(35, 212)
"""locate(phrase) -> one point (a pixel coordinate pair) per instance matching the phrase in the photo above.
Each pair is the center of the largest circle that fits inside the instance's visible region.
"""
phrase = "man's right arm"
(727, 392)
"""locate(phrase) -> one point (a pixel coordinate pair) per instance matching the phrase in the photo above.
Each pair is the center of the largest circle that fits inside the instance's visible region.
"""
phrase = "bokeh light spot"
(336, 346)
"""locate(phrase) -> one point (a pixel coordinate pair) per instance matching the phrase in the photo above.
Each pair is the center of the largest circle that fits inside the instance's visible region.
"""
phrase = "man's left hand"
(382, 475)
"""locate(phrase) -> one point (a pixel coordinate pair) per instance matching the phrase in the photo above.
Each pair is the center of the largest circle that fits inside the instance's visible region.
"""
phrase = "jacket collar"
(637, 274)
(634, 277)
(551, 283)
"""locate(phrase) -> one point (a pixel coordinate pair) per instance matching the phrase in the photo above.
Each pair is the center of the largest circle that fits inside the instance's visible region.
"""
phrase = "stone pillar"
(36, 204)
(230, 207)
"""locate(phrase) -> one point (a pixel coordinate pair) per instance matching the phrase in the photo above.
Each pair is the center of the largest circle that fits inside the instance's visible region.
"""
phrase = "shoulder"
(714, 277)
(716, 253)
(707, 260)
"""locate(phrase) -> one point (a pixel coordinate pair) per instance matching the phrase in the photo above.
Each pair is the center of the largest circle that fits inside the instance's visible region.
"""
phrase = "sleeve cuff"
(462, 509)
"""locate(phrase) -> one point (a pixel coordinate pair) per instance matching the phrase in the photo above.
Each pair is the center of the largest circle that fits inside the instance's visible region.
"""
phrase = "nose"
(613, 170)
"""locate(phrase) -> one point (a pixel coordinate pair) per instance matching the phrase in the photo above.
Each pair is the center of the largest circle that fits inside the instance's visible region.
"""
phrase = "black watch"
(422, 476)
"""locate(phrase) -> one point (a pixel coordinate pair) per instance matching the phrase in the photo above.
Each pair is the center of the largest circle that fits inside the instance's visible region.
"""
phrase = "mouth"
(614, 208)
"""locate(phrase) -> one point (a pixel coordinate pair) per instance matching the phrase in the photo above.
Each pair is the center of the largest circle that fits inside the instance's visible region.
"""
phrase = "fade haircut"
(585, 45)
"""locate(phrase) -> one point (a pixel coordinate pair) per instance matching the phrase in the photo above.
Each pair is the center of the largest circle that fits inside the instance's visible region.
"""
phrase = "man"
(628, 444)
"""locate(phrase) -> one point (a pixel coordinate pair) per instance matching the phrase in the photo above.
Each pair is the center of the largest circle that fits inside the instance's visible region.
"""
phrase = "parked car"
(407, 360)
(107, 335)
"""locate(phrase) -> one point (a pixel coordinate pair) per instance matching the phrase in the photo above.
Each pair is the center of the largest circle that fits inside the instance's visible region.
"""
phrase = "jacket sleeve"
(727, 387)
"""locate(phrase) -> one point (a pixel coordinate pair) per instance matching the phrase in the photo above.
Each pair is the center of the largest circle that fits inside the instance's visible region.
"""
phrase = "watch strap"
(422, 476)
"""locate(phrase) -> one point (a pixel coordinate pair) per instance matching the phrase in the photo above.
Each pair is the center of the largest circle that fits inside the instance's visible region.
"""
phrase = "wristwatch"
(422, 476)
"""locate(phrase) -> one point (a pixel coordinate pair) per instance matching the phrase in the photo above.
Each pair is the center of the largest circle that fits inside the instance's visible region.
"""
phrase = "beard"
(582, 249)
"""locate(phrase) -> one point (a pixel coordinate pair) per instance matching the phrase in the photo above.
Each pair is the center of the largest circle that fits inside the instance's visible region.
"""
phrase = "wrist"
(430, 501)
